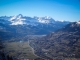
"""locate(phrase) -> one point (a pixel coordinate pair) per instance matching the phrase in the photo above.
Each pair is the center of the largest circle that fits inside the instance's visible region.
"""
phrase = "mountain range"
(62, 40)
(15, 26)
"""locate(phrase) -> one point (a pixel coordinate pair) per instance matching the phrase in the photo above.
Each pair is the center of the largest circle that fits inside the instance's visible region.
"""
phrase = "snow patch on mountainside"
(14, 17)
(17, 20)
(47, 17)
(43, 21)
(78, 22)
(18, 23)
(33, 21)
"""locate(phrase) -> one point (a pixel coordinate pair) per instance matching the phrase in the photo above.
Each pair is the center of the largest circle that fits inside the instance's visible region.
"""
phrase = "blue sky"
(57, 9)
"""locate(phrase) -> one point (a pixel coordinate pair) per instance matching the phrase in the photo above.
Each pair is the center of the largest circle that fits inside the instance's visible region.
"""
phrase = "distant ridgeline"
(20, 26)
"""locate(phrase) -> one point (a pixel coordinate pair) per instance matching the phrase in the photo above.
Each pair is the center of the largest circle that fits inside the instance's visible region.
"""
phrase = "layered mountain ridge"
(23, 25)
(61, 44)
(20, 19)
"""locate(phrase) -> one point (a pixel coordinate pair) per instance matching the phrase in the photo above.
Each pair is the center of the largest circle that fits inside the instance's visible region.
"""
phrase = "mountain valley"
(39, 38)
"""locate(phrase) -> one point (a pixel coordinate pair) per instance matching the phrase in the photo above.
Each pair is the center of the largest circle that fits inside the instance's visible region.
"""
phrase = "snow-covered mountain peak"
(47, 17)
(20, 15)
(43, 20)
(17, 20)
(20, 20)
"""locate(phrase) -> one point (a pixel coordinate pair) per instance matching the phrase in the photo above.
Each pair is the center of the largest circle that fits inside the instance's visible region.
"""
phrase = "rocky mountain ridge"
(17, 26)
(61, 44)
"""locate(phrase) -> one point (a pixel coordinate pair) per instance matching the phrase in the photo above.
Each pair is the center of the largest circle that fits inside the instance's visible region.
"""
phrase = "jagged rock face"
(64, 43)
(15, 26)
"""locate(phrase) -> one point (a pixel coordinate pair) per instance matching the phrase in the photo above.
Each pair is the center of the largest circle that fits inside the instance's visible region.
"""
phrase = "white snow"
(20, 20)
(47, 17)
(61, 20)
(78, 22)
(18, 23)
(14, 17)
(17, 20)
(43, 20)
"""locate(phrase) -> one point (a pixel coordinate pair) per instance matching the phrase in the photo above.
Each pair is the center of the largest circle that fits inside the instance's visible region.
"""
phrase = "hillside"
(62, 44)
